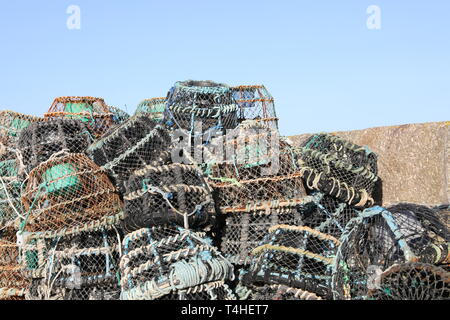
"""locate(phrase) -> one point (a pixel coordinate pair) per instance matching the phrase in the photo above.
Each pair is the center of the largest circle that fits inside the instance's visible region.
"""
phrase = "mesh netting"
(260, 171)
(12, 124)
(154, 108)
(208, 102)
(243, 231)
(12, 173)
(282, 292)
(413, 281)
(68, 192)
(93, 112)
(138, 142)
(78, 266)
(168, 194)
(173, 263)
(339, 168)
(327, 215)
(13, 283)
(255, 103)
(380, 238)
(296, 256)
(41, 140)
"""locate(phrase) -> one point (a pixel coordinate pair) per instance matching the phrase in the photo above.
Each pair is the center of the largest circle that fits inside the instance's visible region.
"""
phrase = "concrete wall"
(413, 160)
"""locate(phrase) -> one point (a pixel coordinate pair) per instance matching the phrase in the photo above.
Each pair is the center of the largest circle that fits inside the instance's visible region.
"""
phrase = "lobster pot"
(13, 283)
(339, 168)
(12, 124)
(296, 256)
(258, 168)
(118, 115)
(282, 292)
(208, 103)
(93, 112)
(168, 194)
(41, 140)
(11, 175)
(255, 103)
(444, 214)
(68, 192)
(77, 266)
(412, 281)
(381, 238)
(173, 263)
(138, 142)
(244, 231)
(154, 108)
(326, 214)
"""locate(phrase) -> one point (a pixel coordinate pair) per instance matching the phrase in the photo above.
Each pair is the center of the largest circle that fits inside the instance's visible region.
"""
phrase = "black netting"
(39, 141)
(412, 281)
(282, 292)
(167, 194)
(11, 125)
(339, 168)
(207, 102)
(296, 256)
(138, 142)
(380, 238)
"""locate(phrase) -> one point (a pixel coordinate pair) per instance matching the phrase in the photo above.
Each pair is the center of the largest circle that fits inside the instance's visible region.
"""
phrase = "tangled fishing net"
(412, 281)
(11, 125)
(68, 192)
(93, 112)
(380, 238)
(339, 168)
(171, 193)
(12, 174)
(13, 283)
(295, 256)
(154, 108)
(79, 266)
(255, 103)
(137, 142)
(39, 141)
(208, 103)
(175, 264)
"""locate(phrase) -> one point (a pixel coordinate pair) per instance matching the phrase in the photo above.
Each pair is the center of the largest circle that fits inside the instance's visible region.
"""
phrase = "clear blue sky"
(325, 68)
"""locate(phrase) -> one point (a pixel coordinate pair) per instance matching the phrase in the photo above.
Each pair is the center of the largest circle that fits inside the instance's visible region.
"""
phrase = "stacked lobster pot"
(202, 109)
(137, 142)
(255, 103)
(93, 112)
(168, 194)
(13, 283)
(69, 239)
(41, 140)
(11, 125)
(173, 263)
(295, 256)
(339, 168)
(257, 186)
(154, 108)
(12, 173)
(401, 252)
